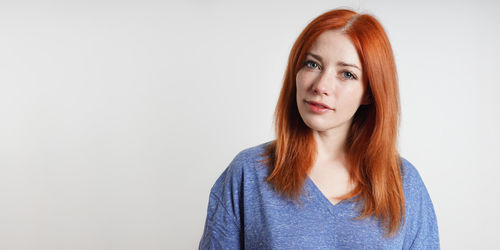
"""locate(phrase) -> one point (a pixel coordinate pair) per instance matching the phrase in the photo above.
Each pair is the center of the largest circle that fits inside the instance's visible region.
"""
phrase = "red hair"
(371, 147)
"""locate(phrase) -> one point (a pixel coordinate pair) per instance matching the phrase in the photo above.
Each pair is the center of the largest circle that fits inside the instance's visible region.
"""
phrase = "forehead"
(333, 46)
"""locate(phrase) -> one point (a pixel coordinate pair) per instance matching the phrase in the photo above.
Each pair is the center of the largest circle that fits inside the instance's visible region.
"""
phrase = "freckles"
(300, 83)
(299, 77)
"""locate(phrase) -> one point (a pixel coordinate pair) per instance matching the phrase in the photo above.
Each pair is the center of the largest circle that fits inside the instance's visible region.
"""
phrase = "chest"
(316, 224)
(331, 182)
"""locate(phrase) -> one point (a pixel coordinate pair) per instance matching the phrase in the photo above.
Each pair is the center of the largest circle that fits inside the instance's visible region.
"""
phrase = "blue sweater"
(244, 212)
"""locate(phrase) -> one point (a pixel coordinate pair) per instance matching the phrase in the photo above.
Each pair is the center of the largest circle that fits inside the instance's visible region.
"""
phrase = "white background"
(118, 116)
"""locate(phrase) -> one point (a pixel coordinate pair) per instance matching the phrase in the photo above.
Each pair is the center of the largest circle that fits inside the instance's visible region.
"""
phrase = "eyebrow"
(340, 63)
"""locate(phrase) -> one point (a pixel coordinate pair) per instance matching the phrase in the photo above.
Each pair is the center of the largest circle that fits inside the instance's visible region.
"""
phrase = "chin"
(316, 125)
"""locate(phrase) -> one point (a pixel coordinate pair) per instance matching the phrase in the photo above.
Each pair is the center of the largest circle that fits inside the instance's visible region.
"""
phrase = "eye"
(349, 75)
(310, 64)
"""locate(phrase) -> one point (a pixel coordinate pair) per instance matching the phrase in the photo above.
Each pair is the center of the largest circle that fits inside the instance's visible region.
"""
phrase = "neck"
(331, 144)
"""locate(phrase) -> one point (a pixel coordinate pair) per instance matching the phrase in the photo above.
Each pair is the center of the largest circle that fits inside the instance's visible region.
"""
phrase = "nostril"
(318, 89)
(320, 92)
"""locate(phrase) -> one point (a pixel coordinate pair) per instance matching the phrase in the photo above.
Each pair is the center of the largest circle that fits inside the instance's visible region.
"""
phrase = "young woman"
(332, 178)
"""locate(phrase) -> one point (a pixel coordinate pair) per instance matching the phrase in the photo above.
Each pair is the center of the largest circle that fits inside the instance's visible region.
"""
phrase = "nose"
(324, 84)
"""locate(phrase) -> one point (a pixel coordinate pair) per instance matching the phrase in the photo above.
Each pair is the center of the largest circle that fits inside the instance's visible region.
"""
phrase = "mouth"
(318, 108)
(319, 105)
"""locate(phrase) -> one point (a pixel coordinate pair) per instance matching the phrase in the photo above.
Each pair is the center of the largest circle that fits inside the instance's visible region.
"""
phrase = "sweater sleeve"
(223, 227)
(221, 231)
(422, 229)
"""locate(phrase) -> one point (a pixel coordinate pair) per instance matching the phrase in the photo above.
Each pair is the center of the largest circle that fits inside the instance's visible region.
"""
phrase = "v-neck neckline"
(324, 200)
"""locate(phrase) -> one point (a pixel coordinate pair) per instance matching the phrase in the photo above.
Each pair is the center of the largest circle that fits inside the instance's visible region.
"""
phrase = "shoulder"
(245, 167)
(420, 218)
(414, 189)
(413, 184)
(248, 159)
(418, 202)
(226, 206)
(251, 154)
(409, 173)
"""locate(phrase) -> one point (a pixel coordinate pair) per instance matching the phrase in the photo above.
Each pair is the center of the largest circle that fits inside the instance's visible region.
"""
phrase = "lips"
(319, 104)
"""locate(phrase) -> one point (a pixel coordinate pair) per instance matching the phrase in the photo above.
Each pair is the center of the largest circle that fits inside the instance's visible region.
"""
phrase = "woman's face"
(329, 84)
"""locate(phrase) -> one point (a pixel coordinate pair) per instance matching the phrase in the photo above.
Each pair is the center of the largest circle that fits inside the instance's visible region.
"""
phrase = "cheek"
(352, 98)
(301, 83)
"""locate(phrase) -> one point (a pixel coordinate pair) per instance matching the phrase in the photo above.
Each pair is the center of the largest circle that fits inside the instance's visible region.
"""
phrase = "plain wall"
(117, 117)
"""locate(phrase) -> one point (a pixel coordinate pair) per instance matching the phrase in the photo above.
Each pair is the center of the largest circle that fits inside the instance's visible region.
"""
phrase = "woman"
(333, 178)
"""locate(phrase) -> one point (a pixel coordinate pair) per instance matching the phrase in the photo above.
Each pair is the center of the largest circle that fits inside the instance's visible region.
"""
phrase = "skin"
(326, 78)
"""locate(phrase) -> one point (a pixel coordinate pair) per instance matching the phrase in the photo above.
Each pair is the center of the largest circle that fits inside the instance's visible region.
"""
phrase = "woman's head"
(357, 77)
(359, 33)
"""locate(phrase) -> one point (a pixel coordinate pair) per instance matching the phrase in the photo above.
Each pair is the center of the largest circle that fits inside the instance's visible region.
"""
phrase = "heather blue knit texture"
(244, 212)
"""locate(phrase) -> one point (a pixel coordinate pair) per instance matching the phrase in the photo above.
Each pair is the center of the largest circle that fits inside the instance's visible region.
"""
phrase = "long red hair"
(371, 147)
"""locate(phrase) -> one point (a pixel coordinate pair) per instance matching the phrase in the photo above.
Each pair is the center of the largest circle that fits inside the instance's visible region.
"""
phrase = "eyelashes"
(345, 74)
(349, 75)
(309, 64)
